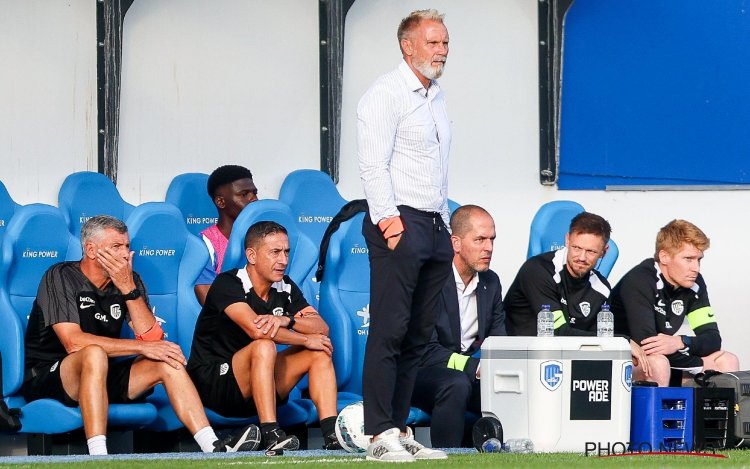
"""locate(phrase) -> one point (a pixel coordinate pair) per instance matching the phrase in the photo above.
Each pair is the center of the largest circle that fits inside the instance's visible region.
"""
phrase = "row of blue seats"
(169, 257)
(311, 195)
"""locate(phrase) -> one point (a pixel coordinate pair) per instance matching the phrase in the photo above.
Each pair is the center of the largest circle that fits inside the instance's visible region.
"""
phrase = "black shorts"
(43, 382)
(220, 392)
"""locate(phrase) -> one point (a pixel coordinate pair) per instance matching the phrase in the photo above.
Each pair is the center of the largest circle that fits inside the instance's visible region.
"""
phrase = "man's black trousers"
(405, 285)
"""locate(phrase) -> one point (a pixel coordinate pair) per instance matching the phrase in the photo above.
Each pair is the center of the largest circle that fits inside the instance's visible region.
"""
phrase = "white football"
(350, 428)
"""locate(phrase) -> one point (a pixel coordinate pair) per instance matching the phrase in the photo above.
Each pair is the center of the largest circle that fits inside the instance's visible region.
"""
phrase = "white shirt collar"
(411, 78)
(465, 289)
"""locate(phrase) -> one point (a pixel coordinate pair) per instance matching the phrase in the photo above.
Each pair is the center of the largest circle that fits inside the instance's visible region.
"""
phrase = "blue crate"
(661, 418)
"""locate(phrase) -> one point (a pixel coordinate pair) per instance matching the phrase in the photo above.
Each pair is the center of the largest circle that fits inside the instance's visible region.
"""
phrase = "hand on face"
(118, 265)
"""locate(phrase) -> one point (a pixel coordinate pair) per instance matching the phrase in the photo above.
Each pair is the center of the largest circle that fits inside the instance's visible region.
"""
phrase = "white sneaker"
(388, 449)
(417, 449)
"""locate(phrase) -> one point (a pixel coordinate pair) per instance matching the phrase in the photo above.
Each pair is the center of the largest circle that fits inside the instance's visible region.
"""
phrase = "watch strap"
(135, 294)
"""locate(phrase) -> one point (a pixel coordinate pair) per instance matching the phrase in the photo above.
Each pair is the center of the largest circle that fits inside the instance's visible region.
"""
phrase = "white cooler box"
(560, 392)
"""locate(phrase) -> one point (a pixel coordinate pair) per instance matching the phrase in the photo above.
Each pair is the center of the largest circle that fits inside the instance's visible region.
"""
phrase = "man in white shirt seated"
(470, 309)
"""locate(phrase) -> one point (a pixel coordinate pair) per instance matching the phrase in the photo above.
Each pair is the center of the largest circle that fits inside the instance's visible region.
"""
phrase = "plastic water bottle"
(605, 322)
(492, 445)
(545, 323)
(518, 445)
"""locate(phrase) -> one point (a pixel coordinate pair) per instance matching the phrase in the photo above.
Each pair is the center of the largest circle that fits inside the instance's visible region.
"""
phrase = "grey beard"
(428, 72)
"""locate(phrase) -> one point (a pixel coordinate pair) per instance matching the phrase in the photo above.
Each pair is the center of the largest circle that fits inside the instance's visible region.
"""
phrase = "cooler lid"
(516, 347)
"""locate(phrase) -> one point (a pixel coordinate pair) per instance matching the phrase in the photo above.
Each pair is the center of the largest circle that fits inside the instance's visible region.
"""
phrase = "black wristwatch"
(292, 322)
(133, 295)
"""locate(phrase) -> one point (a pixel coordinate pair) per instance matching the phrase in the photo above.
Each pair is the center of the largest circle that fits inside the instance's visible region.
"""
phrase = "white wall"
(47, 95)
(491, 86)
(207, 83)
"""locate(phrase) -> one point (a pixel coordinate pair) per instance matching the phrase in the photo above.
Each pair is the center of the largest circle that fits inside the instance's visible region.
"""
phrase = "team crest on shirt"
(585, 308)
(223, 369)
(278, 311)
(678, 307)
(54, 367)
(115, 311)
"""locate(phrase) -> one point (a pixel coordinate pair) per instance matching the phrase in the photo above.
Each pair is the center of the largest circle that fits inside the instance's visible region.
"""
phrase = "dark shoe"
(331, 442)
(247, 439)
(276, 441)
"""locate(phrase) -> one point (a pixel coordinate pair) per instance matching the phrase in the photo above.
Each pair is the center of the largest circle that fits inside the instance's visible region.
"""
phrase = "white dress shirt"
(403, 141)
(467, 308)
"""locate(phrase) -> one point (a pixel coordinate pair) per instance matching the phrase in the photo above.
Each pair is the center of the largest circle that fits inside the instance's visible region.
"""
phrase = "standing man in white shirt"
(403, 140)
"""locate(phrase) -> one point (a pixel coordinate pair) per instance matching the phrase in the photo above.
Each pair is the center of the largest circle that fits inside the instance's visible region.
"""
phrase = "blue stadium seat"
(314, 201)
(552, 222)
(345, 306)
(453, 205)
(345, 302)
(36, 238)
(7, 208)
(86, 194)
(188, 193)
(608, 261)
(303, 259)
(169, 260)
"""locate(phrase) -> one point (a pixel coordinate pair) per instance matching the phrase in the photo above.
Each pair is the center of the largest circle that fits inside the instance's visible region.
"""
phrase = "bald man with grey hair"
(470, 309)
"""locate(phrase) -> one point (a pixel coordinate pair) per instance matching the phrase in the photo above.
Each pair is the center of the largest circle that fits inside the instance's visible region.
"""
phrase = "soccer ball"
(350, 428)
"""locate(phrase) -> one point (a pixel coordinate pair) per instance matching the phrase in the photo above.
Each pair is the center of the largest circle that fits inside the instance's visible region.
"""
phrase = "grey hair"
(413, 20)
(95, 225)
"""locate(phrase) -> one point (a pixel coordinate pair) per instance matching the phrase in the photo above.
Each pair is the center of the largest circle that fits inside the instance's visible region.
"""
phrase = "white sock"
(97, 445)
(206, 437)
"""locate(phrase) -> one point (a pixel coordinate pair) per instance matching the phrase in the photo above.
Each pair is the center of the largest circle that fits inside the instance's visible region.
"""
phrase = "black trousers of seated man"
(447, 394)
(405, 285)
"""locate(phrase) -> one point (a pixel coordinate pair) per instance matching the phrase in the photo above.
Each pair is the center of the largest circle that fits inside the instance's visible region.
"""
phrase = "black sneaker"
(331, 442)
(247, 439)
(276, 441)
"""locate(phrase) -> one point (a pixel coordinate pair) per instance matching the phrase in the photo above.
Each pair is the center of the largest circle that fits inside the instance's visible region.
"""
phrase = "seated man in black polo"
(248, 311)
(73, 339)
(652, 300)
(568, 282)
